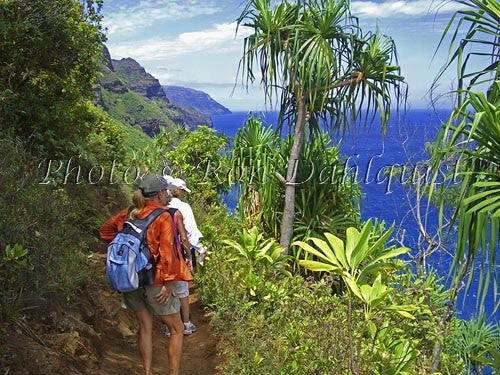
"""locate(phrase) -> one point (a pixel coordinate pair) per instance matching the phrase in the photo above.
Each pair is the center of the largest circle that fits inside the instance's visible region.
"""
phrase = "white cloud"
(400, 8)
(219, 39)
(128, 18)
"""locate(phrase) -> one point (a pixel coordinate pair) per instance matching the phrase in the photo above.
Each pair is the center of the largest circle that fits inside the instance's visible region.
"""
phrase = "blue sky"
(192, 43)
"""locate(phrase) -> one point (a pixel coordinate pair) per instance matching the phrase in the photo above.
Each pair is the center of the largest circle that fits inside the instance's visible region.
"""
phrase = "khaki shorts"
(144, 298)
(181, 289)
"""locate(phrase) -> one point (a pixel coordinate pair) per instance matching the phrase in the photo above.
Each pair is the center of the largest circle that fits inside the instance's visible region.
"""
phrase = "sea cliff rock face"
(106, 57)
(114, 85)
(130, 94)
(196, 99)
(138, 80)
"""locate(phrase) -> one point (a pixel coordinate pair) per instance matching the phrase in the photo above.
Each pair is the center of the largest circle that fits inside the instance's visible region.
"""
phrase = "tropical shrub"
(255, 250)
(278, 324)
(197, 157)
(476, 342)
(325, 199)
(254, 159)
(357, 262)
(48, 67)
(273, 322)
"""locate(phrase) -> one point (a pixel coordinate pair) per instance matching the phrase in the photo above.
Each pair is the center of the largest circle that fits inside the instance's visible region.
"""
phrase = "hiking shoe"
(187, 329)
(166, 332)
(191, 326)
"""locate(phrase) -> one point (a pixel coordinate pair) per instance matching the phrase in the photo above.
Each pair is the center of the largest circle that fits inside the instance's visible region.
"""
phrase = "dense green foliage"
(276, 323)
(47, 71)
(48, 67)
(198, 157)
(326, 199)
(54, 225)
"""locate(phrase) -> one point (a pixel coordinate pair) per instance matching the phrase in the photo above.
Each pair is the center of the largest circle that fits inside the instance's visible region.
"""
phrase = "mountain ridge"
(128, 93)
(199, 100)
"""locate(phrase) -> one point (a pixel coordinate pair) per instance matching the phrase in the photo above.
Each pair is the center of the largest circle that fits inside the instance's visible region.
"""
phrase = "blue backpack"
(129, 264)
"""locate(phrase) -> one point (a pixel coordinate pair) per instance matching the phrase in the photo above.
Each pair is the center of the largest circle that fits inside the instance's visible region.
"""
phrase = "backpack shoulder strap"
(130, 209)
(172, 211)
(141, 225)
(152, 217)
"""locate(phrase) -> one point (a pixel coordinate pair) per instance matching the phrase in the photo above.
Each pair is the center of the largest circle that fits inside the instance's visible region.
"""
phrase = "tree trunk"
(289, 210)
(436, 356)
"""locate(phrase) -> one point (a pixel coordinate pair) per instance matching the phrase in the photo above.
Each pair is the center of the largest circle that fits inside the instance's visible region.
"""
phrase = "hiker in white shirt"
(194, 235)
(178, 190)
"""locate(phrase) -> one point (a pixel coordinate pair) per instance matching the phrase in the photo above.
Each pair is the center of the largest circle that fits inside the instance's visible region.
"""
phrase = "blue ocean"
(369, 152)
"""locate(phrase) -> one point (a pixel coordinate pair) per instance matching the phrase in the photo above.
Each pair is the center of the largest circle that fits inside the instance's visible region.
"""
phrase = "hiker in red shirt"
(157, 298)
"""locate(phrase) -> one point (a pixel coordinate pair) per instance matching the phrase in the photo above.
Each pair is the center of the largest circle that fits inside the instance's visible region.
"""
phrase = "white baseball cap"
(180, 184)
(168, 178)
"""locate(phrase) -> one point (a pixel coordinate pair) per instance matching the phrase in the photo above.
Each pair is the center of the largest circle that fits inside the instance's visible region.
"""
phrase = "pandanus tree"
(314, 60)
(472, 134)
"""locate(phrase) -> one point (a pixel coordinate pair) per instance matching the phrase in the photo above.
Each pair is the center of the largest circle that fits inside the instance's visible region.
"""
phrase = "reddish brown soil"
(94, 335)
(121, 355)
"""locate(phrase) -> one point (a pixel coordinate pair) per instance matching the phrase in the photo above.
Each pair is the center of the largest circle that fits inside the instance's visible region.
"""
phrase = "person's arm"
(110, 228)
(192, 230)
(184, 238)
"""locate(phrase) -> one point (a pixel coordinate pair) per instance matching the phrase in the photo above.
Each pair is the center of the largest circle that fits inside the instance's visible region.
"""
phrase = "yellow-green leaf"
(316, 266)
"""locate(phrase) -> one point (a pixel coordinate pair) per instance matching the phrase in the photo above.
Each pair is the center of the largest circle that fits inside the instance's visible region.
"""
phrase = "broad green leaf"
(338, 247)
(405, 314)
(361, 249)
(352, 236)
(365, 290)
(377, 287)
(351, 283)
(403, 310)
(316, 266)
(308, 248)
(266, 247)
(382, 239)
(390, 254)
(323, 246)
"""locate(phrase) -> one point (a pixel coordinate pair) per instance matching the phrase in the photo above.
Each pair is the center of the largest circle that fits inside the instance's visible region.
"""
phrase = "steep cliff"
(129, 94)
(196, 99)
(137, 79)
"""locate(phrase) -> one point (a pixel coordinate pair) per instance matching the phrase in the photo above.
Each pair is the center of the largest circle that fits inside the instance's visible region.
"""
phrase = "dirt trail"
(121, 354)
(95, 336)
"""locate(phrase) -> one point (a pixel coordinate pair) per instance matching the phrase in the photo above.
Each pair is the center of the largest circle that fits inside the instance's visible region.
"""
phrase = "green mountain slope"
(133, 96)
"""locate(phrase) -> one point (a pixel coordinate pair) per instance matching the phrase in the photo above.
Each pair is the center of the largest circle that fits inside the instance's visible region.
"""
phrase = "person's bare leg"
(184, 309)
(146, 338)
(176, 328)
